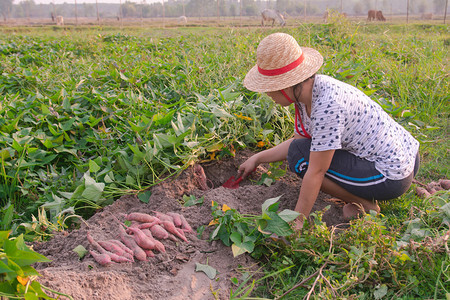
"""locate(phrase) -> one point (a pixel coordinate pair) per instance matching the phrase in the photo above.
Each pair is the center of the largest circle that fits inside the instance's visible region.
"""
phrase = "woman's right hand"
(248, 166)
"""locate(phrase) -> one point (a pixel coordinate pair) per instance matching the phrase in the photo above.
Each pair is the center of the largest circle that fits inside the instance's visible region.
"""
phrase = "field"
(91, 116)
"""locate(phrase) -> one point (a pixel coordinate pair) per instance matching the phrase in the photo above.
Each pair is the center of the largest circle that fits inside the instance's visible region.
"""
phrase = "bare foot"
(352, 211)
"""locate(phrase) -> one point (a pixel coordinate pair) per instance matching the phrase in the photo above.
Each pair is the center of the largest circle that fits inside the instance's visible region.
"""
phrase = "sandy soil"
(169, 275)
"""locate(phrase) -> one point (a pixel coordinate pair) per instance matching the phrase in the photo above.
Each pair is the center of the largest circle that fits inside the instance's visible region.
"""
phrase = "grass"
(89, 114)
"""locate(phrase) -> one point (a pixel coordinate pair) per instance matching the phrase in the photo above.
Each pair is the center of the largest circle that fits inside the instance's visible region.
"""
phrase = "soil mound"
(169, 275)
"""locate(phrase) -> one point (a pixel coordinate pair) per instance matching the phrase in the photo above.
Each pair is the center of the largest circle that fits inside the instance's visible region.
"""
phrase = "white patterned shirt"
(343, 117)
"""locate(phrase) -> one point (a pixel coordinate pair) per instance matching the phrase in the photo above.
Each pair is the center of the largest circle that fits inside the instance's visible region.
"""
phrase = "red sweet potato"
(117, 258)
(148, 225)
(170, 227)
(149, 253)
(185, 225)
(141, 239)
(103, 259)
(172, 237)
(140, 217)
(129, 241)
(116, 249)
(422, 192)
(94, 243)
(147, 232)
(445, 184)
(163, 217)
(159, 246)
(121, 245)
(111, 247)
(433, 187)
(159, 232)
(176, 218)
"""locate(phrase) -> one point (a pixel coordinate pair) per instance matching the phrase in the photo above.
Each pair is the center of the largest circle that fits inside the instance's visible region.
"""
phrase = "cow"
(380, 16)
(182, 19)
(427, 16)
(59, 20)
(371, 15)
(272, 15)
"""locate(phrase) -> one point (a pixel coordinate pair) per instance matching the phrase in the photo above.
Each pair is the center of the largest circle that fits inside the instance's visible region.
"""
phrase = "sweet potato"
(121, 245)
(185, 225)
(172, 237)
(445, 184)
(129, 241)
(433, 187)
(116, 249)
(159, 232)
(111, 247)
(117, 258)
(163, 217)
(170, 227)
(422, 192)
(147, 232)
(140, 217)
(158, 245)
(149, 253)
(148, 225)
(94, 243)
(103, 259)
(176, 218)
(142, 239)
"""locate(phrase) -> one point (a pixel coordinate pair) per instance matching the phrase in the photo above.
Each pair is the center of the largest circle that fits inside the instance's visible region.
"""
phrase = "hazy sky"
(86, 1)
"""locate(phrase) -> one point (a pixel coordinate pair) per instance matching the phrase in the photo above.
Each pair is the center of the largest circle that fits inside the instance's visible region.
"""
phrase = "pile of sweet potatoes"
(426, 190)
(140, 238)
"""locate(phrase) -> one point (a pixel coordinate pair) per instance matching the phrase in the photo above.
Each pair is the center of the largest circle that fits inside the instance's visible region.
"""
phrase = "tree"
(439, 6)
(5, 8)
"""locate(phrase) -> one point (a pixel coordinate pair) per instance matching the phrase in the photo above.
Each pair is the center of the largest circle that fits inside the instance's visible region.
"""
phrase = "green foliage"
(273, 174)
(248, 233)
(17, 276)
(367, 260)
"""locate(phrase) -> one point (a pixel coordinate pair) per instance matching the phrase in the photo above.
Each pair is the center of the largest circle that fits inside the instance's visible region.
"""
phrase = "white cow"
(272, 15)
(182, 19)
(59, 20)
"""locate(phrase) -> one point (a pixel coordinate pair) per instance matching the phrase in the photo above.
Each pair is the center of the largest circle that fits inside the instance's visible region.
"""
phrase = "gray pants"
(356, 175)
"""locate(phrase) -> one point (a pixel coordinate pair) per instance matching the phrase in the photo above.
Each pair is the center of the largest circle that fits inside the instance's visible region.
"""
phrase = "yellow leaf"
(22, 280)
(241, 116)
(225, 207)
(213, 222)
(212, 156)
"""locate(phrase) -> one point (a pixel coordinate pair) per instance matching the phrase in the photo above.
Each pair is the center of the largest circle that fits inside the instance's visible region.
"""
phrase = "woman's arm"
(319, 163)
(277, 153)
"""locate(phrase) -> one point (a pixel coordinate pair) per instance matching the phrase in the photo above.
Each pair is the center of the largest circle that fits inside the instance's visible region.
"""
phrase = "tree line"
(212, 8)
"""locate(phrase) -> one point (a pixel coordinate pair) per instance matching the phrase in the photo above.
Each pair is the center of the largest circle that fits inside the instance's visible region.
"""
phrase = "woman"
(344, 143)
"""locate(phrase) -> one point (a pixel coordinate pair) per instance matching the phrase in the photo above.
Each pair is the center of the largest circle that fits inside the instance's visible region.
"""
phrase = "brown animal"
(428, 16)
(380, 16)
(371, 15)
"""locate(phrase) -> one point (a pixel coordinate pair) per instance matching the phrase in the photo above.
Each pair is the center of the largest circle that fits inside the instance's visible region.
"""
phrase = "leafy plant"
(273, 174)
(191, 200)
(17, 276)
(245, 233)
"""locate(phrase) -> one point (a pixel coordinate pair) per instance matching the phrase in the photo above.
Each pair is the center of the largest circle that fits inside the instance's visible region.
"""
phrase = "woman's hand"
(248, 166)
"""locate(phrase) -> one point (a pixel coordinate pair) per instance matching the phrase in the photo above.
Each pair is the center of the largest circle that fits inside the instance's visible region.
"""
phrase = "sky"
(85, 1)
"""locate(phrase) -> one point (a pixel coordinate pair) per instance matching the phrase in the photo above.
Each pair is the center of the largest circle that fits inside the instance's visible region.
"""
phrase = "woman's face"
(279, 98)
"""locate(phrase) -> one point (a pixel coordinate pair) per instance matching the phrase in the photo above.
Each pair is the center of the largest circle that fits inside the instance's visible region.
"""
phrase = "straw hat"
(281, 63)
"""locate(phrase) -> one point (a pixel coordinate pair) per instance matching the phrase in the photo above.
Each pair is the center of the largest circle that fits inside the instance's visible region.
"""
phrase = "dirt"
(170, 275)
